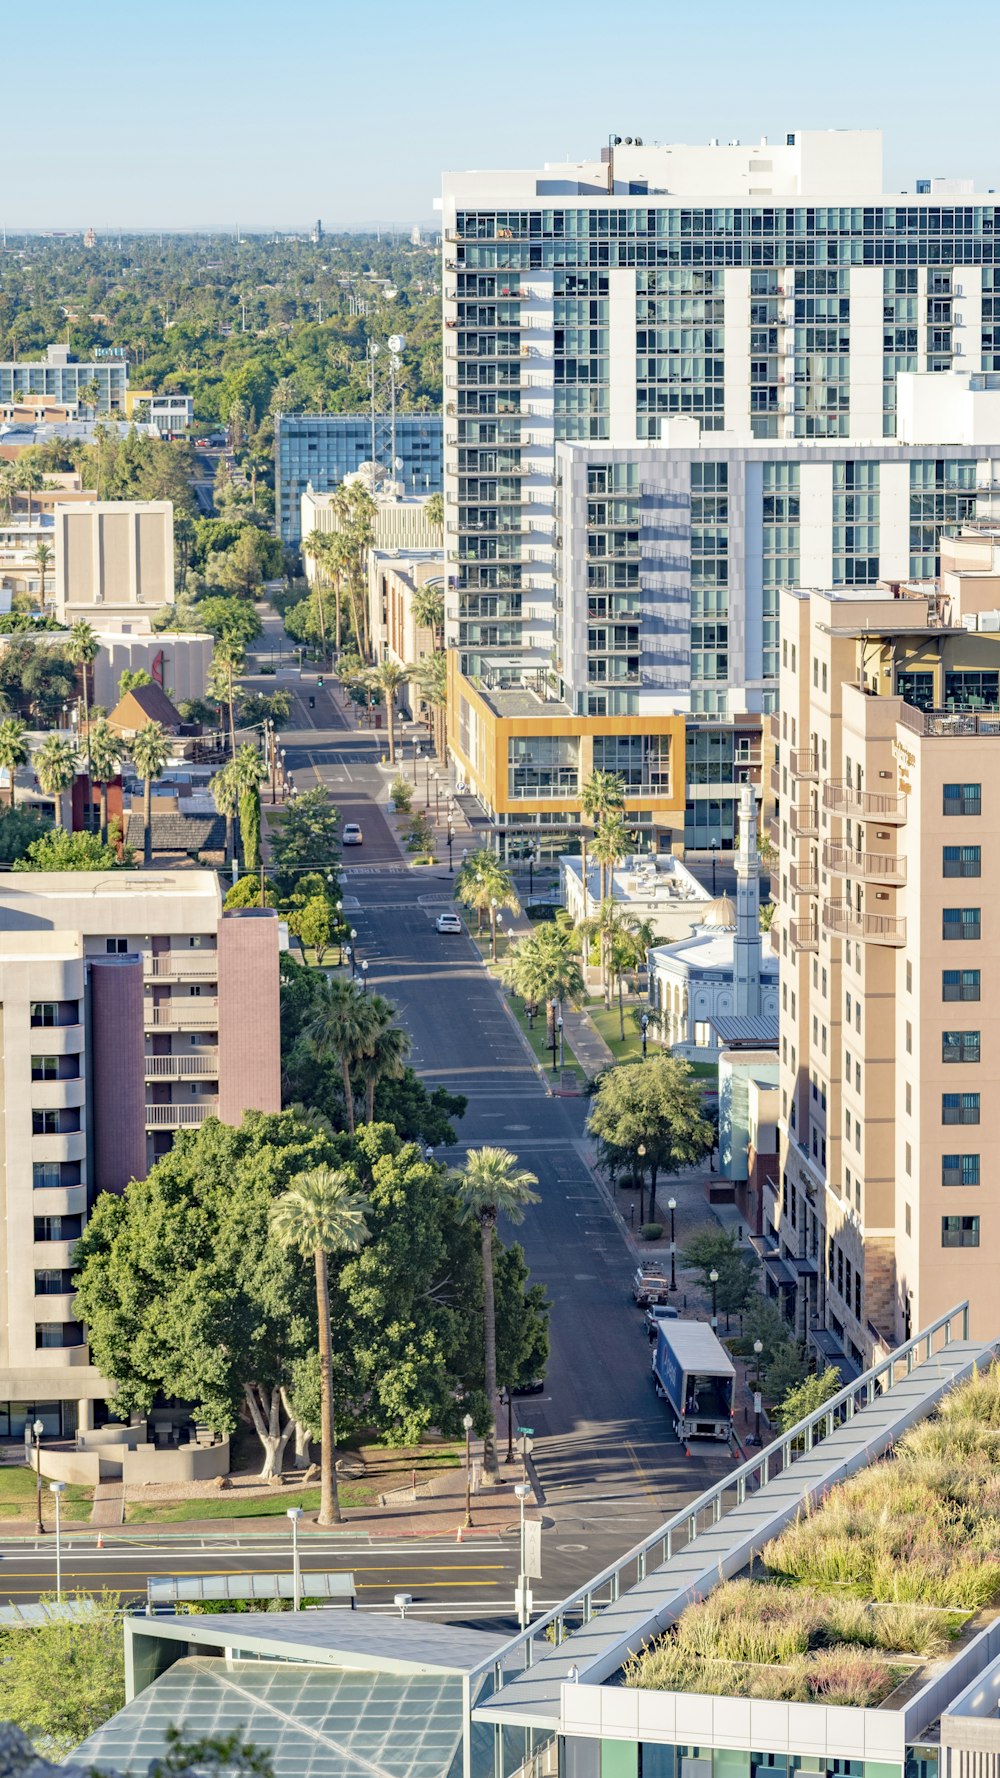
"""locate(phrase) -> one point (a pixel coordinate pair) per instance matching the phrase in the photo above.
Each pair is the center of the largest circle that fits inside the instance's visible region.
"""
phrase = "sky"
(218, 113)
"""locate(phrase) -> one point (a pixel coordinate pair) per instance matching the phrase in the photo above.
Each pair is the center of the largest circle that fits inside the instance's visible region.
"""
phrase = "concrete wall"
(249, 1018)
(189, 1463)
(118, 1099)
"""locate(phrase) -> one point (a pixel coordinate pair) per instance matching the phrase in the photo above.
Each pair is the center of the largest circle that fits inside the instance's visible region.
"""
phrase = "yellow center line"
(637, 1466)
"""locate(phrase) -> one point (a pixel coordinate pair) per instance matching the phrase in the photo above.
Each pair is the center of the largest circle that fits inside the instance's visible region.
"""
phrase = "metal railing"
(177, 1117)
(184, 1015)
(804, 820)
(803, 935)
(943, 723)
(803, 762)
(876, 867)
(182, 967)
(879, 929)
(803, 878)
(842, 798)
(693, 1520)
(183, 1067)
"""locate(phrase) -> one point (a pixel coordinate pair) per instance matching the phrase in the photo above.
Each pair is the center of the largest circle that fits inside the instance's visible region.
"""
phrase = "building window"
(909, 1228)
(543, 766)
(959, 1169)
(960, 1108)
(960, 984)
(960, 1231)
(57, 1281)
(117, 947)
(960, 923)
(962, 861)
(960, 1046)
(963, 799)
(45, 1067)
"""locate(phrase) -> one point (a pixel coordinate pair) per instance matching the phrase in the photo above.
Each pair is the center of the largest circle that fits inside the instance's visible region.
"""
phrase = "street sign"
(756, 1402)
(533, 1548)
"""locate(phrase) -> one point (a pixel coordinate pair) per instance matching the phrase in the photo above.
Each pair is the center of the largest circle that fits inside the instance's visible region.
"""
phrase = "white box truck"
(694, 1374)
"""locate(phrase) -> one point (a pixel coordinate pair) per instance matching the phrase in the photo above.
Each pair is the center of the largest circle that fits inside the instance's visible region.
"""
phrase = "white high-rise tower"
(746, 944)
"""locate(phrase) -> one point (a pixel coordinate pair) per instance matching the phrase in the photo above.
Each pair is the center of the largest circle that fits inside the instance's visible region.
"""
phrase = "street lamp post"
(493, 927)
(58, 1489)
(427, 785)
(294, 1515)
(531, 875)
(641, 1152)
(38, 1429)
(758, 1347)
(715, 849)
(364, 973)
(672, 1206)
(437, 796)
(713, 1279)
(562, 1052)
(451, 840)
(416, 756)
(467, 1423)
(352, 951)
(522, 1492)
(644, 1029)
(554, 1010)
(349, 954)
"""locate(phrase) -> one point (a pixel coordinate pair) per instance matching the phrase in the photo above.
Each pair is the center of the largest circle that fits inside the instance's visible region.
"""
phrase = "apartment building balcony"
(68, 1145)
(58, 1357)
(184, 1014)
(943, 723)
(200, 1065)
(803, 762)
(864, 867)
(877, 929)
(59, 1200)
(775, 780)
(58, 1095)
(803, 935)
(803, 879)
(54, 1255)
(181, 966)
(804, 821)
(180, 1117)
(843, 798)
(50, 1307)
(57, 1040)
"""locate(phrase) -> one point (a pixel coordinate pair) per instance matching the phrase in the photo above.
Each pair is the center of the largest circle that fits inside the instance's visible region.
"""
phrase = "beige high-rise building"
(888, 824)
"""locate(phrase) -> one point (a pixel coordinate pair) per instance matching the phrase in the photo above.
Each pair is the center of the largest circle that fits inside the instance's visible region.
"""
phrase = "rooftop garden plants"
(862, 1588)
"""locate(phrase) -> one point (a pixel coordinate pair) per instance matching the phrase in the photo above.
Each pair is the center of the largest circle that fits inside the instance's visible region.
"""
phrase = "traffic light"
(319, 682)
(312, 703)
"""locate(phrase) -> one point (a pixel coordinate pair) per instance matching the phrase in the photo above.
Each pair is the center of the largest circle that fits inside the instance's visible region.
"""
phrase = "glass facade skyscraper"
(318, 450)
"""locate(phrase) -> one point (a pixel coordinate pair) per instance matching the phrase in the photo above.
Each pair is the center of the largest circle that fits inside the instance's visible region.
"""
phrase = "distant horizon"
(107, 231)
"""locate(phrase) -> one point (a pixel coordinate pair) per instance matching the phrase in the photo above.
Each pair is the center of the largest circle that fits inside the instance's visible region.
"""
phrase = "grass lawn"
(17, 1497)
(605, 1020)
(385, 1470)
(542, 1051)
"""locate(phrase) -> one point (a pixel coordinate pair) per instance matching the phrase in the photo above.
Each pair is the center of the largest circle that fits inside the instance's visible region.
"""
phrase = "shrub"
(419, 834)
(402, 795)
(651, 1231)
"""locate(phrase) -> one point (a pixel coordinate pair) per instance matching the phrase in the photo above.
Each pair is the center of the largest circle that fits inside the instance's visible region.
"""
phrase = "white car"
(352, 835)
(448, 923)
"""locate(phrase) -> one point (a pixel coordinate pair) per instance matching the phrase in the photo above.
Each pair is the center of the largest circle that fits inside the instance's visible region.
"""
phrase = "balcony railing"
(186, 966)
(776, 780)
(205, 1063)
(942, 723)
(803, 762)
(178, 1117)
(842, 798)
(864, 867)
(803, 935)
(804, 821)
(877, 929)
(803, 879)
(188, 1014)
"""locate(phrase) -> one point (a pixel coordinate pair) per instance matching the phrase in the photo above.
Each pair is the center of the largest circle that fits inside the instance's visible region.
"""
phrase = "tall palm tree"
(43, 562)
(387, 678)
(322, 1213)
(249, 773)
(14, 749)
(82, 649)
(388, 1049)
(28, 478)
(427, 607)
(430, 674)
(493, 1185)
(225, 792)
(601, 795)
(341, 1031)
(483, 884)
(317, 548)
(610, 844)
(55, 764)
(6, 489)
(105, 749)
(228, 662)
(543, 966)
(150, 750)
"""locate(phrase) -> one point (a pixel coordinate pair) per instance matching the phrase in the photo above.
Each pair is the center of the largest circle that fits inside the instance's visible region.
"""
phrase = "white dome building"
(722, 971)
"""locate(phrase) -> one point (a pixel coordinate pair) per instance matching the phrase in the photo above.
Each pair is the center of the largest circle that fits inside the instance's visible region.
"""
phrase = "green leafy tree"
(384, 1057)
(28, 478)
(482, 881)
(245, 565)
(14, 749)
(150, 751)
(427, 606)
(231, 617)
(83, 649)
(88, 1654)
(105, 749)
(19, 828)
(430, 675)
(493, 1185)
(313, 924)
(60, 850)
(522, 1326)
(434, 511)
(305, 834)
(322, 1213)
(804, 1398)
(44, 681)
(655, 1105)
(133, 679)
(56, 762)
(246, 893)
(786, 1370)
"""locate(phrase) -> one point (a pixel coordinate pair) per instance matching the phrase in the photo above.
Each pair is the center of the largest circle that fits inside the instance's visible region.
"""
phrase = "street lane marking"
(640, 1472)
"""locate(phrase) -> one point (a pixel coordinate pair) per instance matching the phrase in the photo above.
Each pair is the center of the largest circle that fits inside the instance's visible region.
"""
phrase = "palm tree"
(150, 751)
(105, 750)
(542, 966)
(228, 662)
(317, 548)
(55, 764)
(483, 884)
(83, 649)
(610, 845)
(602, 794)
(43, 562)
(322, 1213)
(225, 792)
(14, 749)
(249, 772)
(493, 1185)
(341, 1031)
(385, 1058)
(6, 489)
(387, 678)
(28, 478)
(430, 674)
(427, 608)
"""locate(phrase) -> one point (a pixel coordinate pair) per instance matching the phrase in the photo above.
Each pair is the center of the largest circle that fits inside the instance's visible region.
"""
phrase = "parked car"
(448, 922)
(656, 1313)
(649, 1285)
(352, 834)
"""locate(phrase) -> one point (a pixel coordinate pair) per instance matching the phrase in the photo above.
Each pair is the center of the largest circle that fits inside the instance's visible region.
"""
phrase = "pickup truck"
(650, 1285)
(656, 1313)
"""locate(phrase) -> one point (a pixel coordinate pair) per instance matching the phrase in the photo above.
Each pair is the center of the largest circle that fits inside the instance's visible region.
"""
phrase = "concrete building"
(890, 1061)
(321, 449)
(766, 293)
(60, 377)
(400, 523)
(720, 972)
(132, 1007)
(749, 1099)
(170, 416)
(646, 887)
(114, 561)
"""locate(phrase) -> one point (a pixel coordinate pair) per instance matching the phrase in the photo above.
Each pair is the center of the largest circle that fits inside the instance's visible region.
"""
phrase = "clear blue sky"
(202, 112)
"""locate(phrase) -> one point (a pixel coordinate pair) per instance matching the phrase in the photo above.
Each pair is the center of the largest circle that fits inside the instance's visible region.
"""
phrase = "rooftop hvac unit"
(989, 620)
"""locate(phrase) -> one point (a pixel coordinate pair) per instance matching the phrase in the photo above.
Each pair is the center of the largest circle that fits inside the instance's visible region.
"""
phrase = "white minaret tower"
(746, 945)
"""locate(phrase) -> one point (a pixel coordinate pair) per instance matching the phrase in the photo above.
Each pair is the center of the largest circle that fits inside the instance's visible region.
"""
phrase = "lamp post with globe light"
(467, 1423)
(758, 1347)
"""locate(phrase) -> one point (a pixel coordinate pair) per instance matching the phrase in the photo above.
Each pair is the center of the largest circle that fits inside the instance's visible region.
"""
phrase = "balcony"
(201, 1064)
(876, 929)
(803, 935)
(186, 1013)
(864, 867)
(57, 1306)
(803, 763)
(59, 1200)
(775, 780)
(179, 1117)
(803, 879)
(842, 798)
(181, 966)
(804, 821)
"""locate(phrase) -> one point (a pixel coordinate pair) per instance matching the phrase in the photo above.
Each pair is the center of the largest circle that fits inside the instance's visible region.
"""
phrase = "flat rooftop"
(520, 700)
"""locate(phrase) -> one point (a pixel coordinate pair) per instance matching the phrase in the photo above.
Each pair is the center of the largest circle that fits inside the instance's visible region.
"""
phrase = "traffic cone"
(100, 1540)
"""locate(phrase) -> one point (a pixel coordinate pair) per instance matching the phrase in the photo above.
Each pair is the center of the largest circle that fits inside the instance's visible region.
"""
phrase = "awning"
(830, 1350)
